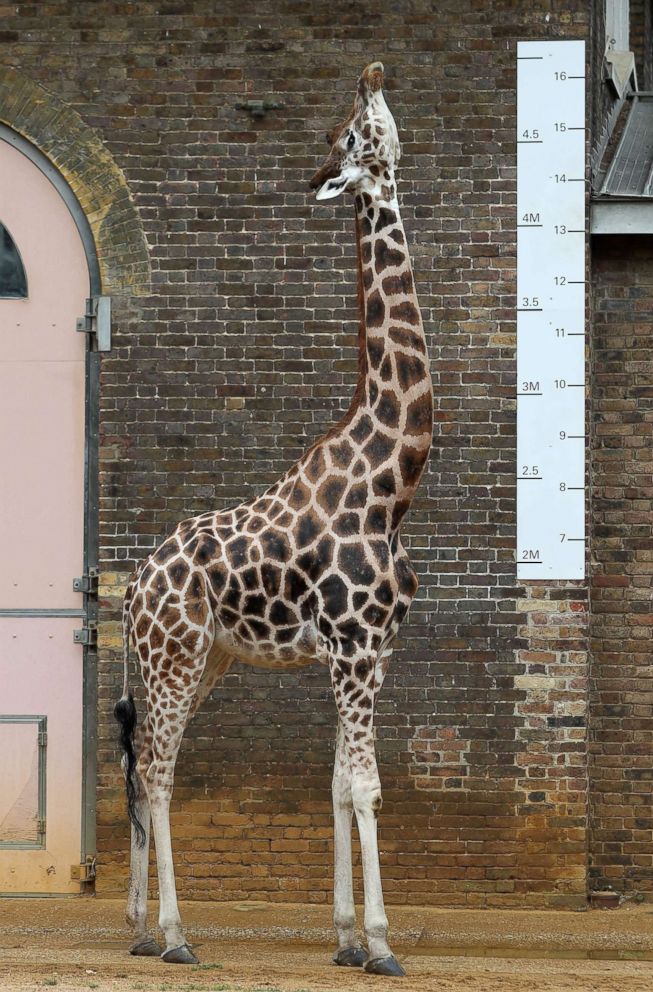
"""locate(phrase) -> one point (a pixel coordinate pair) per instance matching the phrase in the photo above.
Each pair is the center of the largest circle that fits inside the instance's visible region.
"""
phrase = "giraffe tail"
(125, 713)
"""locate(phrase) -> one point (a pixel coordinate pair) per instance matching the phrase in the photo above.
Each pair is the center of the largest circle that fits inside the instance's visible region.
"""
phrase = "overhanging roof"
(624, 202)
(631, 171)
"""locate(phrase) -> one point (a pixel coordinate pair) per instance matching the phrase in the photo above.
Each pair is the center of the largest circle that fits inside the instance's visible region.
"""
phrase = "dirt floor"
(264, 947)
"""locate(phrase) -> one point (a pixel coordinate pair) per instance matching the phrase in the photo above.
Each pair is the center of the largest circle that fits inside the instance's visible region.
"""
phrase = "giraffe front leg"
(349, 953)
(355, 702)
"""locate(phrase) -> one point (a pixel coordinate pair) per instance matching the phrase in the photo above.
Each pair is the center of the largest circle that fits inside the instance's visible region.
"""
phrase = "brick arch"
(88, 167)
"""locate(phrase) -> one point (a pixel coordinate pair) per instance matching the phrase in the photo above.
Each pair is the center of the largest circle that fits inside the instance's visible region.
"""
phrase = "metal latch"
(87, 634)
(97, 322)
(88, 582)
(259, 108)
(84, 872)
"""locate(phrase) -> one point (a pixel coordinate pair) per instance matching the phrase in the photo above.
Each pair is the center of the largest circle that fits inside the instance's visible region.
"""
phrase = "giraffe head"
(365, 148)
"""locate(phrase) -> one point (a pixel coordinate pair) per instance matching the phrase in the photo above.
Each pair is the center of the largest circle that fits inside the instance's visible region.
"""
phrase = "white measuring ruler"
(551, 310)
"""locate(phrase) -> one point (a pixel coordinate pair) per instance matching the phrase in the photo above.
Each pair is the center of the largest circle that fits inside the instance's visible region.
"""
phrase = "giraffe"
(312, 570)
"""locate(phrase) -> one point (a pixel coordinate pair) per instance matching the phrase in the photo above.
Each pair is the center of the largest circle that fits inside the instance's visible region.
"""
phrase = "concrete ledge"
(621, 217)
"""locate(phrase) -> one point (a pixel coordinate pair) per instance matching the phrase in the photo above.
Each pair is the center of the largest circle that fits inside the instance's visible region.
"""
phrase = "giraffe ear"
(338, 184)
(331, 188)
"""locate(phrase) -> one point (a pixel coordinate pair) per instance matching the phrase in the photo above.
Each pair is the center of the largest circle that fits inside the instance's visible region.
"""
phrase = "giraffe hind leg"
(169, 713)
(144, 945)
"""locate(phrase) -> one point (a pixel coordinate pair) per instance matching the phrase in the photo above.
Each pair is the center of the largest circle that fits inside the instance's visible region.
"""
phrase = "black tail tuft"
(125, 713)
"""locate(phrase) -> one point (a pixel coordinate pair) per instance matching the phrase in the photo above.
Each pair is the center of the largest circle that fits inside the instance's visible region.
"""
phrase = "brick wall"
(241, 355)
(621, 839)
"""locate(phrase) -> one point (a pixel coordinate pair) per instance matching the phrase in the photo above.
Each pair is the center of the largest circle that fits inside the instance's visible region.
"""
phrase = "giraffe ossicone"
(312, 570)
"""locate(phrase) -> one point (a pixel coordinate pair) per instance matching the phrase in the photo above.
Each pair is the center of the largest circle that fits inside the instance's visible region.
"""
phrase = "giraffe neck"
(394, 383)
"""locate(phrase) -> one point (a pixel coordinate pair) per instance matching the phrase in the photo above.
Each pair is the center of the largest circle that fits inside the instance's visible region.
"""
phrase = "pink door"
(44, 283)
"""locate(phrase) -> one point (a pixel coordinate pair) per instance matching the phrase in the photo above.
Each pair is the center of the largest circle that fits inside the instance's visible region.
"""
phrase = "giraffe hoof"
(146, 948)
(179, 955)
(351, 957)
(385, 966)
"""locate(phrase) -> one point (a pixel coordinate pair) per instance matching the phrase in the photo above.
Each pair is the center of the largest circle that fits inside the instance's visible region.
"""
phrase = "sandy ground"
(262, 947)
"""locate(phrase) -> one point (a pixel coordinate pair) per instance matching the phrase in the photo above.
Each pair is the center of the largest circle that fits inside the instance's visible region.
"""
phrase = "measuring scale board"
(551, 310)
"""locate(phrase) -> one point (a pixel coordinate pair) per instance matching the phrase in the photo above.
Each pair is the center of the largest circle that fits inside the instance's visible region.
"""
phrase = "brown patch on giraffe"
(386, 216)
(376, 520)
(354, 564)
(255, 604)
(397, 236)
(381, 552)
(347, 525)
(334, 595)
(169, 615)
(160, 584)
(271, 578)
(368, 278)
(406, 577)
(356, 496)
(375, 351)
(330, 493)
(398, 285)
(236, 552)
(379, 448)
(375, 311)
(361, 429)
(375, 615)
(295, 585)
(411, 463)
(142, 625)
(300, 495)
(399, 511)
(359, 599)
(366, 252)
(196, 611)
(152, 600)
(383, 484)
(341, 453)
(190, 641)
(388, 409)
(386, 257)
(405, 311)
(217, 576)
(307, 529)
(167, 551)
(386, 369)
(276, 546)
(419, 416)
(157, 638)
(410, 370)
(407, 338)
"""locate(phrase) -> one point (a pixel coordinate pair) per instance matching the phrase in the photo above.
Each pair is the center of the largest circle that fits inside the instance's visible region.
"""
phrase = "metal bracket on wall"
(88, 582)
(86, 634)
(84, 872)
(97, 322)
(259, 108)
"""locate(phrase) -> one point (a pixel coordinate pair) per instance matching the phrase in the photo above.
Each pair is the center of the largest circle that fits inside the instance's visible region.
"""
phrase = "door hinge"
(88, 582)
(40, 827)
(97, 322)
(84, 872)
(86, 634)
(43, 738)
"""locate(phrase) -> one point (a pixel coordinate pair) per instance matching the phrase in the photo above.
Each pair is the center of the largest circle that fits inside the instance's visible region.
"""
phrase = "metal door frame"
(91, 494)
